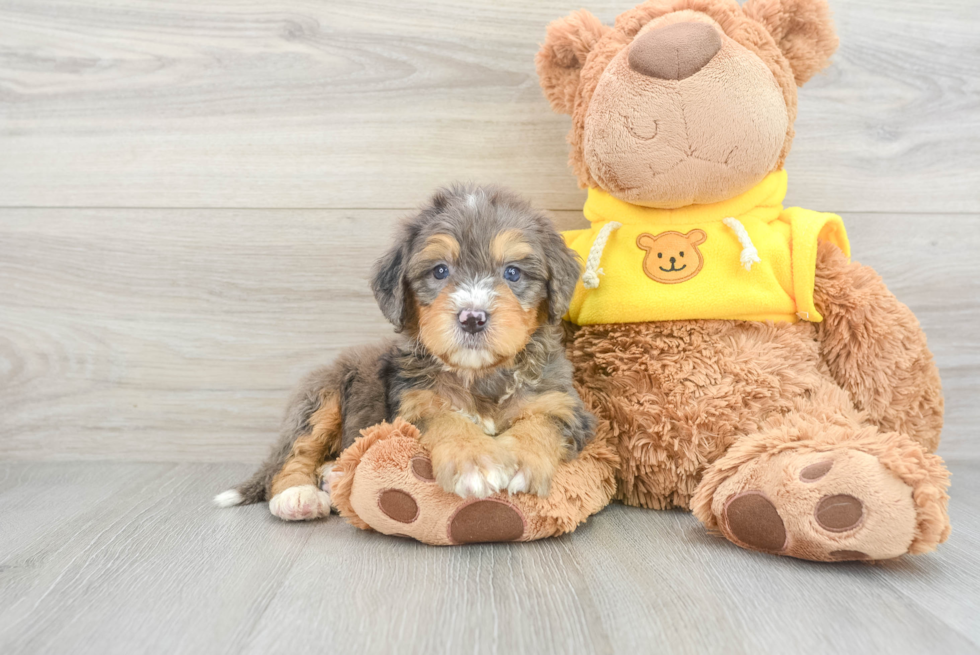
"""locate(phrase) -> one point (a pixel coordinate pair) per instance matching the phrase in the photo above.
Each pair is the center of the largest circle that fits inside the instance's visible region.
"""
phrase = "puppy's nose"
(674, 52)
(473, 320)
(672, 260)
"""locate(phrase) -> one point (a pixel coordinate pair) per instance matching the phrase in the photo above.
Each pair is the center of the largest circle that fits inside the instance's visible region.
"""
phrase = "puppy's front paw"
(533, 476)
(473, 469)
(302, 503)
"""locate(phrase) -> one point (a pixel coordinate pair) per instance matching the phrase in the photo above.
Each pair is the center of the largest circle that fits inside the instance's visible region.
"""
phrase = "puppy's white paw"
(520, 483)
(302, 503)
(533, 478)
(480, 482)
(497, 476)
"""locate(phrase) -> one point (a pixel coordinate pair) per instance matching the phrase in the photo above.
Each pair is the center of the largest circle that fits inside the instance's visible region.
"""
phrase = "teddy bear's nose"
(674, 52)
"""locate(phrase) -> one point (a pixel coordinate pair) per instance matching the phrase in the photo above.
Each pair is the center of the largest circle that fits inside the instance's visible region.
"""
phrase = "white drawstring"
(749, 254)
(590, 278)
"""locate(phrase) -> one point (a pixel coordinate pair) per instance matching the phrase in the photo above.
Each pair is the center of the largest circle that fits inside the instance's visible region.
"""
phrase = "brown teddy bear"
(740, 365)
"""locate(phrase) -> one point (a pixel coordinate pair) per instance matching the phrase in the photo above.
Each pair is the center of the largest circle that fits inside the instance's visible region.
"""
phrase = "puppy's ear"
(389, 283)
(561, 58)
(563, 273)
(803, 30)
(389, 280)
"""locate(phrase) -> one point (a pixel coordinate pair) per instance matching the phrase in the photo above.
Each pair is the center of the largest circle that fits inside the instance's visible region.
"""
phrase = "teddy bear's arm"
(876, 350)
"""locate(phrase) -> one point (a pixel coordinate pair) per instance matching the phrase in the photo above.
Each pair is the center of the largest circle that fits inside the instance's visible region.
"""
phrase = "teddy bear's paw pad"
(814, 472)
(301, 503)
(398, 505)
(754, 521)
(826, 506)
(422, 469)
(839, 513)
(486, 520)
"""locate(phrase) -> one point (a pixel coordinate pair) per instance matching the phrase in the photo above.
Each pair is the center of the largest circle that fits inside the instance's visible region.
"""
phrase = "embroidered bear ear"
(696, 237)
(645, 241)
(802, 29)
(561, 58)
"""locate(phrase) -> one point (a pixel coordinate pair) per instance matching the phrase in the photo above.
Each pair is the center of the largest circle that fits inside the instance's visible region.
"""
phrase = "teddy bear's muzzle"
(674, 52)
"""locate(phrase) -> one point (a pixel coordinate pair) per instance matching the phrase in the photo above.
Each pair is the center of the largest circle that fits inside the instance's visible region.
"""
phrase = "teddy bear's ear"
(803, 30)
(561, 58)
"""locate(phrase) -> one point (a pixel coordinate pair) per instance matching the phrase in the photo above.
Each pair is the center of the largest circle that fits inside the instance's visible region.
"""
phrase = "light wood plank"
(152, 568)
(174, 335)
(371, 104)
(140, 563)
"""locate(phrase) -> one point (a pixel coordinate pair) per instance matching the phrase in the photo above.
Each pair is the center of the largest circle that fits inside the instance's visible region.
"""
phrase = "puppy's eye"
(440, 272)
(682, 253)
(660, 255)
(512, 274)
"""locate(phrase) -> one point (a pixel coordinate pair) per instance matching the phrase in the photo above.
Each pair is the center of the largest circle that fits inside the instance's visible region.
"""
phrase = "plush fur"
(812, 440)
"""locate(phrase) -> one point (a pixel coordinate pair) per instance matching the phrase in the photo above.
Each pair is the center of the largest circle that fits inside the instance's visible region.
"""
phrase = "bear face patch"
(672, 257)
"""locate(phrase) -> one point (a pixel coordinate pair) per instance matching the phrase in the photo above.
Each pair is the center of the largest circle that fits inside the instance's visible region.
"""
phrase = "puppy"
(476, 286)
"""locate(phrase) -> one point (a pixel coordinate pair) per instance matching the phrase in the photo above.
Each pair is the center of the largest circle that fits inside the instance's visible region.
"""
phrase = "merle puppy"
(476, 286)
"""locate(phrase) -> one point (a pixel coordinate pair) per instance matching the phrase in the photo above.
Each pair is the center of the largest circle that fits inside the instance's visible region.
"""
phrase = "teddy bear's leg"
(823, 488)
(385, 482)
(876, 350)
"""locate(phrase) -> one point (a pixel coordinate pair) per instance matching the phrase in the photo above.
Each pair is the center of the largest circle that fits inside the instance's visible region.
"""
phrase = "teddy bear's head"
(683, 101)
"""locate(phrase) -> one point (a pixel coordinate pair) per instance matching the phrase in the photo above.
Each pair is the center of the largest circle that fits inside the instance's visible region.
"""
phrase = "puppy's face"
(478, 272)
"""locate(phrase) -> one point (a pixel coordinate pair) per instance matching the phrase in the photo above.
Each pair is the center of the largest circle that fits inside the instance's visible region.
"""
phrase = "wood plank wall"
(191, 193)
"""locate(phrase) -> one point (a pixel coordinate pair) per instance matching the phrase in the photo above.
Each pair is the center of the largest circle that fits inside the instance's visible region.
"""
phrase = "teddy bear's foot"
(395, 492)
(385, 482)
(833, 504)
(301, 503)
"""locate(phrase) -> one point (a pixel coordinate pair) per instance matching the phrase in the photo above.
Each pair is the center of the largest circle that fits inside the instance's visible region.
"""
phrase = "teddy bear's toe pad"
(828, 506)
(754, 521)
(398, 505)
(839, 513)
(486, 520)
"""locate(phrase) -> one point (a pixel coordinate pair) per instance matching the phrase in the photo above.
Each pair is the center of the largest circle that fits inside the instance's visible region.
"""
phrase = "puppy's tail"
(252, 491)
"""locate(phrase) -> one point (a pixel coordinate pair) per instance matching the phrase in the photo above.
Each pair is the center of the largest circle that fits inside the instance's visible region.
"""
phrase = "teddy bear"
(740, 365)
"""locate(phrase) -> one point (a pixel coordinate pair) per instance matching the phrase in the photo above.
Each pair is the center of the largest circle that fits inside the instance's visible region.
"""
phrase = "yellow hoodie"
(746, 258)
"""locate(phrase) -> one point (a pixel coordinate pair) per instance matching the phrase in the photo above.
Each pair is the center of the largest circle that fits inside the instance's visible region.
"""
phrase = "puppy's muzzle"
(473, 320)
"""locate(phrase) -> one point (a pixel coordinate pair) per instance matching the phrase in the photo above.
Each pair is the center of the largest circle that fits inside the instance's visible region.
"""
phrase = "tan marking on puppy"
(440, 247)
(422, 405)
(552, 403)
(537, 441)
(510, 246)
(309, 451)
(511, 325)
(437, 324)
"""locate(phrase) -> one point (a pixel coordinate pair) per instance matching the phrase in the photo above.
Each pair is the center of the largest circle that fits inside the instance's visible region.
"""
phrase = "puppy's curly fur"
(475, 285)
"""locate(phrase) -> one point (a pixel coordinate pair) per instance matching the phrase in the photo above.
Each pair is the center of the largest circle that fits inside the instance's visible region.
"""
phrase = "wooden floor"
(191, 194)
(130, 558)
